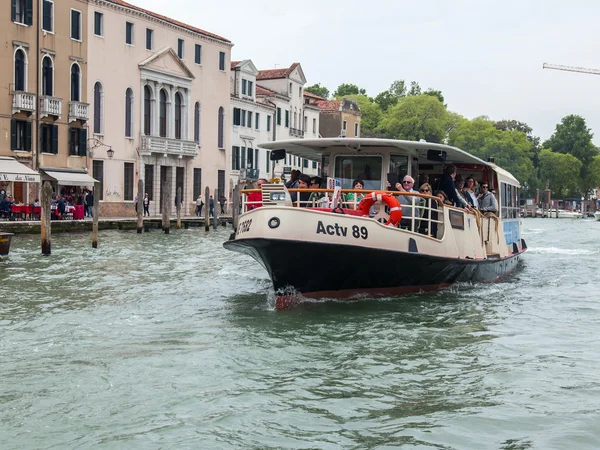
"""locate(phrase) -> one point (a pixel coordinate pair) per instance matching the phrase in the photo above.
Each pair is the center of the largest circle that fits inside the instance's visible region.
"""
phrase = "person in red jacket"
(255, 198)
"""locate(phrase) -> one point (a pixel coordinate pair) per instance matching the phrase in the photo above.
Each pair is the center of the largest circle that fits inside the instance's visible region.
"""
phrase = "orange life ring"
(390, 200)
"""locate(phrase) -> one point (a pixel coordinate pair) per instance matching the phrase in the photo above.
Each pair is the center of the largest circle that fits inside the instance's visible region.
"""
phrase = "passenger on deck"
(315, 198)
(470, 194)
(255, 198)
(487, 200)
(449, 187)
(293, 181)
(460, 191)
(407, 201)
(303, 182)
(353, 197)
(444, 198)
(428, 205)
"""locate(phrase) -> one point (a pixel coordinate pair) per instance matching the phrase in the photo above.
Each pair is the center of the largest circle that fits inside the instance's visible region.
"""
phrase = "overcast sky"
(485, 56)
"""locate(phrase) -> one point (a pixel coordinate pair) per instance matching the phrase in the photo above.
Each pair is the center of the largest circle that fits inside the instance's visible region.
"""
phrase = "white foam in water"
(560, 251)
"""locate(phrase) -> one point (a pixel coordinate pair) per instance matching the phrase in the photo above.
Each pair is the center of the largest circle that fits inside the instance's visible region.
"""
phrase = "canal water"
(171, 342)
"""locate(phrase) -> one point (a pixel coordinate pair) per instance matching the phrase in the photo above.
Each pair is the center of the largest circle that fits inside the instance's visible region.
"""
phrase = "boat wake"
(560, 251)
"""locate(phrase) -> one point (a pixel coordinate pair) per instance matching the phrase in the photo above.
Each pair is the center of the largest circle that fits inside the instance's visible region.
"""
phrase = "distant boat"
(563, 214)
(597, 215)
(5, 239)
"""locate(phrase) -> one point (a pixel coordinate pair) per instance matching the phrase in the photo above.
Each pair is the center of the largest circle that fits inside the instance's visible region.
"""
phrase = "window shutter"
(29, 12)
(28, 129)
(47, 21)
(243, 158)
(13, 134)
(71, 141)
(55, 139)
(13, 10)
(82, 142)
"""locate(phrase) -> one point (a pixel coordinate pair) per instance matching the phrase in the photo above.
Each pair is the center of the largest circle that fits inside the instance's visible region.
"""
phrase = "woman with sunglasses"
(428, 204)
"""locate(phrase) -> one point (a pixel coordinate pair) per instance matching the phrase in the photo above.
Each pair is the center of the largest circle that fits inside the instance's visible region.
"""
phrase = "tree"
(416, 117)
(346, 89)
(572, 136)
(434, 93)
(398, 89)
(515, 125)
(319, 90)
(560, 170)
(370, 115)
(386, 99)
(415, 89)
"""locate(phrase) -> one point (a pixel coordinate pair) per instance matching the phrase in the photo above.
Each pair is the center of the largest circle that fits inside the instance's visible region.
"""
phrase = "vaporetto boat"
(335, 249)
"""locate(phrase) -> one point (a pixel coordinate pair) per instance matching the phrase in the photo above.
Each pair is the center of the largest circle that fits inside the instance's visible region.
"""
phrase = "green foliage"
(560, 171)
(434, 93)
(386, 99)
(398, 88)
(415, 117)
(370, 115)
(415, 89)
(346, 89)
(319, 90)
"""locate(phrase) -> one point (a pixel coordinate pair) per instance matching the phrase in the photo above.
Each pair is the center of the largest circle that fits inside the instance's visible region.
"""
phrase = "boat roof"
(313, 149)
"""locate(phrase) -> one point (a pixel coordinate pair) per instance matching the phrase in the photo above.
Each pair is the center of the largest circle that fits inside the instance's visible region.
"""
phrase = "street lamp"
(110, 152)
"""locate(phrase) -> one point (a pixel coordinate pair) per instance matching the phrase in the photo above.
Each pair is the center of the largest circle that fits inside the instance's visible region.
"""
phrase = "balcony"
(23, 102)
(79, 111)
(50, 106)
(296, 132)
(167, 146)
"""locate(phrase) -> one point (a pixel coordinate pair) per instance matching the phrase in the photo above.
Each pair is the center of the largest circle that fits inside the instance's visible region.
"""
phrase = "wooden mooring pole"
(215, 210)
(207, 209)
(140, 206)
(96, 195)
(166, 203)
(45, 217)
(178, 207)
(235, 211)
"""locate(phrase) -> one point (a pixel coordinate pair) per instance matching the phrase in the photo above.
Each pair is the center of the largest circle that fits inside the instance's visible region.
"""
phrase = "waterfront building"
(253, 118)
(294, 119)
(159, 91)
(339, 118)
(44, 109)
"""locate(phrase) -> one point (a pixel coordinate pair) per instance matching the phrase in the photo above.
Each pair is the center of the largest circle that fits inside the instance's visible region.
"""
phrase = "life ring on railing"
(390, 200)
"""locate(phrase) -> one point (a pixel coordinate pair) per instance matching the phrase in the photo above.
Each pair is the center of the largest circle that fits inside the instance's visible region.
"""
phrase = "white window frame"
(42, 6)
(75, 63)
(101, 24)
(26, 80)
(314, 126)
(47, 55)
(80, 25)
(131, 118)
(345, 125)
(23, 14)
(101, 120)
(356, 129)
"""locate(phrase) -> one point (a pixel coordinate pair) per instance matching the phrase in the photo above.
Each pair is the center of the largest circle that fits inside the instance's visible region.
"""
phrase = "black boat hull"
(341, 271)
(5, 239)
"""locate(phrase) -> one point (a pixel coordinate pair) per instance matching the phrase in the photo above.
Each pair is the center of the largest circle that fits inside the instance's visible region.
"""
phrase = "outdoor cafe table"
(25, 210)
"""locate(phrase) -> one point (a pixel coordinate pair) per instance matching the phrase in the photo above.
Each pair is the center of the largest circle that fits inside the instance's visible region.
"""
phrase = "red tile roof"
(169, 20)
(262, 91)
(328, 105)
(272, 74)
(234, 63)
(314, 96)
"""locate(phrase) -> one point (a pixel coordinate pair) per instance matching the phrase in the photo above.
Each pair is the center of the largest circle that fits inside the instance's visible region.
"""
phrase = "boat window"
(364, 168)
(399, 165)
(325, 166)
(509, 201)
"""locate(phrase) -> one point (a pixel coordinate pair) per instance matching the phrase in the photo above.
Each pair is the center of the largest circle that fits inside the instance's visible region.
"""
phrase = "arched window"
(20, 62)
(147, 110)
(98, 107)
(47, 76)
(177, 115)
(162, 114)
(221, 128)
(129, 113)
(197, 122)
(75, 83)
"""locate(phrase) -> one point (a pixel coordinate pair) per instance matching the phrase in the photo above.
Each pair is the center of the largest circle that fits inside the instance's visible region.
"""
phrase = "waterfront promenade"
(107, 223)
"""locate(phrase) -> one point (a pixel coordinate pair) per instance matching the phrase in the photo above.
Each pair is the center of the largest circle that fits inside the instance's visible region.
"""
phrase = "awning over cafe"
(13, 170)
(71, 178)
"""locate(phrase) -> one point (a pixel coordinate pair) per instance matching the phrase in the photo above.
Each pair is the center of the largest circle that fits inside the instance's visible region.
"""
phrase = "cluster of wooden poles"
(46, 201)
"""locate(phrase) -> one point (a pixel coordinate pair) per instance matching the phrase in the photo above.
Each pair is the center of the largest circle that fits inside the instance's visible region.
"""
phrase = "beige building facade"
(339, 118)
(159, 91)
(44, 111)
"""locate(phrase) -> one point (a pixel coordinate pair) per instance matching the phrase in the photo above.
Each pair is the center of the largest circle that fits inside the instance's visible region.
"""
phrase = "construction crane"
(571, 69)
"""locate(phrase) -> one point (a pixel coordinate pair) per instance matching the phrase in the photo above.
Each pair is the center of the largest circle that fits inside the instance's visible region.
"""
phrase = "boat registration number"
(336, 230)
(244, 226)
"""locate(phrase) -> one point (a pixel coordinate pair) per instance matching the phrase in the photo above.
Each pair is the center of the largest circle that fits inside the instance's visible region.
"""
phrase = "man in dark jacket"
(449, 187)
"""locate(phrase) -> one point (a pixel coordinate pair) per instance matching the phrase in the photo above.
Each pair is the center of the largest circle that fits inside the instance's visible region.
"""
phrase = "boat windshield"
(364, 168)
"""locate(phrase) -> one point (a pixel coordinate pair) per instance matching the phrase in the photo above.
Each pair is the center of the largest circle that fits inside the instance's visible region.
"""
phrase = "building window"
(249, 119)
(221, 60)
(77, 141)
(75, 83)
(269, 122)
(198, 54)
(267, 161)
(76, 25)
(180, 48)
(98, 107)
(243, 158)
(291, 86)
(257, 121)
(162, 114)
(48, 16)
(235, 158)
(356, 129)
(149, 180)
(237, 112)
(300, 91)
(197, 122)
(98, 174)
(49, 142)
(47, 76)
(278, 116)
(250, 88)
(22, 11)
(314, 126)
(243, 116)
(244, 83)
(197, 182)
(221, 128)
(344, 125)
(20, 71)
(305, 124)
(177, 115)
(129, 113)
(20, 135)
(149, 39)
(250, 163)
(147, 110)
(98, 23)
(129, 33)
(128, 181)
(287, 118)
(256, 158)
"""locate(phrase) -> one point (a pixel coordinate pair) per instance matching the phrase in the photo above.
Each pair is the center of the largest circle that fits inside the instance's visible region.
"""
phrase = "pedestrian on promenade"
(199, 205)
(212, 206)
(90, 203)
(146, 204)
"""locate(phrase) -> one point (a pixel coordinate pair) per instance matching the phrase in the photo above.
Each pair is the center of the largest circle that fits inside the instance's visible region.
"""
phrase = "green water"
(171, 342)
